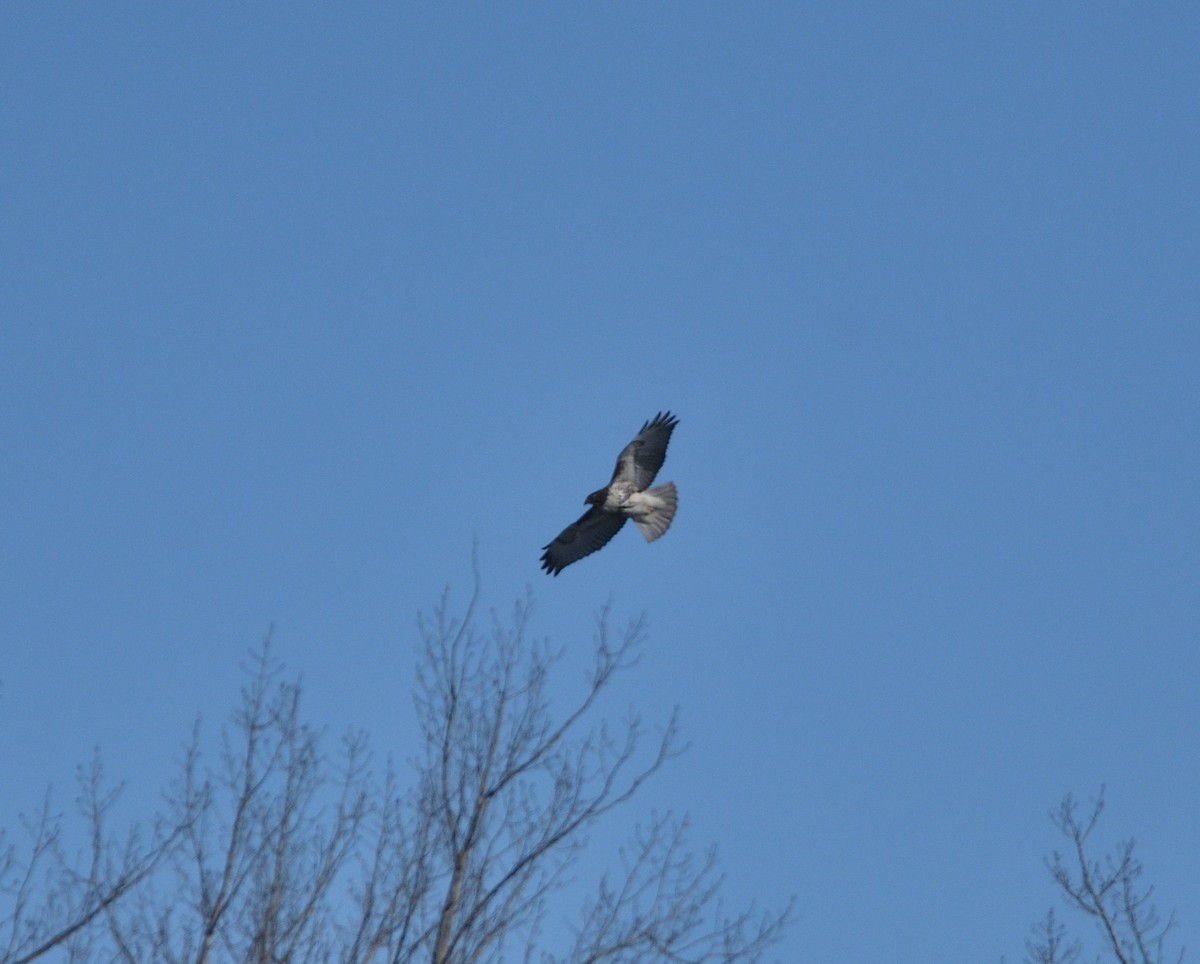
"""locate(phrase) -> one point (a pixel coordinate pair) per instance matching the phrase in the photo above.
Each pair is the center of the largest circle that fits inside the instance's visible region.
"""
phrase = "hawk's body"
(627, 496)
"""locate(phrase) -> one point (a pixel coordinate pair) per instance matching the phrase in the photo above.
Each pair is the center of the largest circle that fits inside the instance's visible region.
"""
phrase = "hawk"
(627, 496)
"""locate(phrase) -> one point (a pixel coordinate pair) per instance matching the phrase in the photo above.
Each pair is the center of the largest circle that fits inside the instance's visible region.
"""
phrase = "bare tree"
(1050, 943)
(506, 793)
(263, 839)
(52, 897)
(284, 852)
(1108, 890)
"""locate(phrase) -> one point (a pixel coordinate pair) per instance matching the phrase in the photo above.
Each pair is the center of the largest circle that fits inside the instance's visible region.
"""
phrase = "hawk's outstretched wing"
(581, 538)
(641, 459)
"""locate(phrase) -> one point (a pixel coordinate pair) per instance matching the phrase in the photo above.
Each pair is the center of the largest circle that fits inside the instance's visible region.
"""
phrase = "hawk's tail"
(658, 509)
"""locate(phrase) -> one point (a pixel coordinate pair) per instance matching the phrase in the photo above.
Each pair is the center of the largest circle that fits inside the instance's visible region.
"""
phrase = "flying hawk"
(627, 496)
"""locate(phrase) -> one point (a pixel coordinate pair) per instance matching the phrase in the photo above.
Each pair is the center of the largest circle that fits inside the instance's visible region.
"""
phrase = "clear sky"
(298, 301)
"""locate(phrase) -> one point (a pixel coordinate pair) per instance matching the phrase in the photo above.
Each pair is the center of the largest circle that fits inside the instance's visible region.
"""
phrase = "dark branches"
(665, 906)
(279, 852)
(1108, 890)
(509, 789)
(54, 899)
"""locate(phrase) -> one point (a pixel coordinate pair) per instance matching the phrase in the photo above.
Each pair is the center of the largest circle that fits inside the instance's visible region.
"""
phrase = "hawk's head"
(597, 497)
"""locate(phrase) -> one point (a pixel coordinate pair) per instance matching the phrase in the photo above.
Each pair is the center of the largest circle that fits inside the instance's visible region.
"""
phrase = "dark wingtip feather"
(547, 565)
(662, 418)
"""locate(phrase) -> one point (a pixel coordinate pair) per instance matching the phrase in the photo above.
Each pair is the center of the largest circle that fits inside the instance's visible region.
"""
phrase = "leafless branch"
(279, 852)
(510, 790)
(666, 907)
(1050, 945)
(1105, 889)
(55, 899)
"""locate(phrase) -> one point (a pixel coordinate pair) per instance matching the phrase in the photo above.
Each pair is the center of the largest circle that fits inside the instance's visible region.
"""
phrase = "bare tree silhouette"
(284, 852)
(1106, 889)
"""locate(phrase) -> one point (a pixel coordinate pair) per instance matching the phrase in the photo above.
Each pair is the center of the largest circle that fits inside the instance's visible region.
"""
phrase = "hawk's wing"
(581, 538)
(641, 459)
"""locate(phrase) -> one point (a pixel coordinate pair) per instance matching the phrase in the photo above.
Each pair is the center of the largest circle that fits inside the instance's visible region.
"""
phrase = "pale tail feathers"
(653, 510)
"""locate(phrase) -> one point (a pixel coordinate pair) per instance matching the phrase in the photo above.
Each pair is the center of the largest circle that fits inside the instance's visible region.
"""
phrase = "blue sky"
(299, 301)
